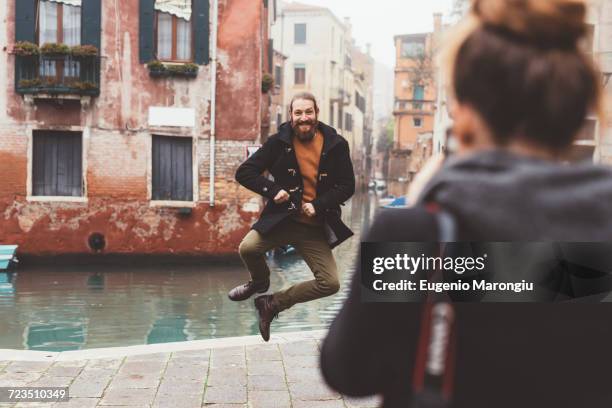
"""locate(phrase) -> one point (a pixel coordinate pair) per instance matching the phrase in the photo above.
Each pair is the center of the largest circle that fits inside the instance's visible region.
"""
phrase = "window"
(300, 74)
(413, 49)
(360, 102)
(57, 164)
(174, 31)
(348, 121)
(418, 93)
(172, 168)
(279, 120)
(300, 34)
(59, 23)
(331, 114)
(278, 75)
(417, 122)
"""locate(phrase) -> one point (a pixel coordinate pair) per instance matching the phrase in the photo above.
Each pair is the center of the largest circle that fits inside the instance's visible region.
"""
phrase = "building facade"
(415, 104)
(319, 51)
(125, 121)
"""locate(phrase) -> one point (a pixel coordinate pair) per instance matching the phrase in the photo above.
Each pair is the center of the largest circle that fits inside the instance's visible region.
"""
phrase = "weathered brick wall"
(117, 146)
(13, 161)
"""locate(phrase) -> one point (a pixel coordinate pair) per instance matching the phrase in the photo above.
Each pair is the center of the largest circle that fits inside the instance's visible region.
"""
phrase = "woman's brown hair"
(520, 65)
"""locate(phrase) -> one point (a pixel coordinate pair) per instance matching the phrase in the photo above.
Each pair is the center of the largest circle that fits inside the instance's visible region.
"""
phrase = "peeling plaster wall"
(118, 148)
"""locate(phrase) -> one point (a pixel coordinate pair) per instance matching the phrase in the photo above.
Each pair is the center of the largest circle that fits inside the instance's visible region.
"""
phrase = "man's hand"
(281, 197)
(309, 210)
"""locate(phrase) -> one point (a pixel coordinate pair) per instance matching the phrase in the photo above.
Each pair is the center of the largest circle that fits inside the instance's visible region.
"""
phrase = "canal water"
(71, 308)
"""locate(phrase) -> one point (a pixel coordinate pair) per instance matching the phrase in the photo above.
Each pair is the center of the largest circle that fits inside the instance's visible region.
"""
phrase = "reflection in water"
(60, 308)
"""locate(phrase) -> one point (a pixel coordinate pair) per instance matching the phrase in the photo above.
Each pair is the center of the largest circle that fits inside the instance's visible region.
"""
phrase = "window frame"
(295, 33)
(174, 48)
(83, 169)
(297, 67)
(169, 202)
(414, 123)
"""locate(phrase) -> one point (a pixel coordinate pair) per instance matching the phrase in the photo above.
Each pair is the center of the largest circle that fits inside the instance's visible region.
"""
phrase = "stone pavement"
(221, 373)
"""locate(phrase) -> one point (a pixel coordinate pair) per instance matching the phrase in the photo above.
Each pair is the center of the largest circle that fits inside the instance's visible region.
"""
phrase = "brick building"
(106, 138)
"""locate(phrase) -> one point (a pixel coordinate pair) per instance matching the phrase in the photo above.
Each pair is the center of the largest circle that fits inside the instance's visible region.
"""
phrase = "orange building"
(415, 102)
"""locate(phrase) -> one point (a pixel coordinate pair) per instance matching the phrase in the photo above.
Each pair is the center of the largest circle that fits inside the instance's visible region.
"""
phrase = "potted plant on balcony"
(189, 70)
(25, 49)
(84, 51)
(55, 49)
(267, 82)
(158, 69)
(30, 83)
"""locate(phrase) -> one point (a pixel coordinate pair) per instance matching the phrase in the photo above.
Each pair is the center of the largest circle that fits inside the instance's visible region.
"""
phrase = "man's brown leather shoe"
(243, 292)
(267, 309)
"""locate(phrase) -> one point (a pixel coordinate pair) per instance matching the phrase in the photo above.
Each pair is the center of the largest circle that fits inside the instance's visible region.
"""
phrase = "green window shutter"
(201, 26)
(91, 22)
(25, 20)
(146, 33)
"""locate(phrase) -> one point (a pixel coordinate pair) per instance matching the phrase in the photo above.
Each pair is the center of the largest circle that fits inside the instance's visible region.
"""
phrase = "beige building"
(320, 53)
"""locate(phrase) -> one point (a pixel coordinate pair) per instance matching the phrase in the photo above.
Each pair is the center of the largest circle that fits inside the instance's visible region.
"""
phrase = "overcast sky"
(378, 21)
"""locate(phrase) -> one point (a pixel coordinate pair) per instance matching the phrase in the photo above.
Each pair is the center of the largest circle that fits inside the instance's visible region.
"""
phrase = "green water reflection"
(70, 308)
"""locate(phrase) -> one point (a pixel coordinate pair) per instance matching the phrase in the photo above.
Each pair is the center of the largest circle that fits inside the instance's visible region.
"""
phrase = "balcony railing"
(57, 74)
(415, 106)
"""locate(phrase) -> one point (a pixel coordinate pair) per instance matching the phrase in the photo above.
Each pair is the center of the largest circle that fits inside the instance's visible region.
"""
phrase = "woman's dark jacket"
(335, 181)
(507, 354)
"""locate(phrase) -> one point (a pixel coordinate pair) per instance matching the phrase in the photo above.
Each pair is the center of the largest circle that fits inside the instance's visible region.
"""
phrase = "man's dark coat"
(335, 181)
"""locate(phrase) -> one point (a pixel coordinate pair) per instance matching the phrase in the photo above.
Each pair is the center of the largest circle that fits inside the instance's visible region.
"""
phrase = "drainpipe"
(213, 100)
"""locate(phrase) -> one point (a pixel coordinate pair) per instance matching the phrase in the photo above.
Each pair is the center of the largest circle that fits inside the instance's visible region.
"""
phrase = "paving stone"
(177, 401)
(228, 361)
(141, 367)
(122, 396)
(18, 379)
(263, 353)
(227, 376)
(48, 381)
(186, 372)
(58, 370)
(28, 366)
(195, 360)
(33, 404)
(77, 403)
(88, 388)
(267, 383)
(296, 374)
(318, 404)
(226, 395)
(204, 354)
(301, 361)
(136, 380)
(269, 399)
(105, 363)
(96, 373)
(265, 368)
(301, 348)
(179, 387)
(229, 351)
(370, 402)
(163, 357)
(224, 406)
(312, 391)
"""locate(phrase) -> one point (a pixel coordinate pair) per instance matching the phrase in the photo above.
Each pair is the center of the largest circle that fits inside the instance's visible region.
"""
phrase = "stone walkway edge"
(114, 352)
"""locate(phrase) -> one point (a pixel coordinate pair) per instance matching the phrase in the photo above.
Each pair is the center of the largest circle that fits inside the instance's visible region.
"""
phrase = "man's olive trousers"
(311, 244)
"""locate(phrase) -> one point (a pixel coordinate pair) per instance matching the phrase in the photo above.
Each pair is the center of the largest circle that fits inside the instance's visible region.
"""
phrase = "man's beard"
(309, 134)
